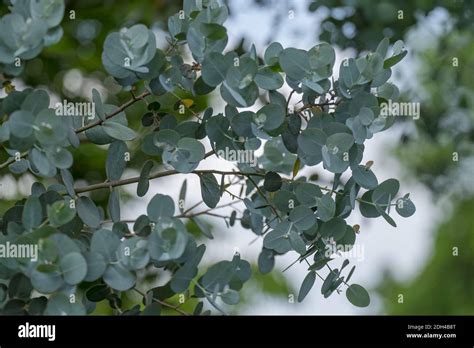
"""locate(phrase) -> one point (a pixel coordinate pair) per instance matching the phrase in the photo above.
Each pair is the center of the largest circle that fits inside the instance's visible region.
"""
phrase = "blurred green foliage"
(445, 286)
(437, 149)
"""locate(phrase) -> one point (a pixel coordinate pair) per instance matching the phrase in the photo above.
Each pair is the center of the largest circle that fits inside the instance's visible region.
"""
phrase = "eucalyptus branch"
(166, 304)
(136, 179)
(115, 113)
(91, 125)
(12, 159)
(313, 105)
(264, 197)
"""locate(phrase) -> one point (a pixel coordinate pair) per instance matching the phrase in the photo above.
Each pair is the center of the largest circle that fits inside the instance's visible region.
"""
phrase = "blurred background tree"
(438, 148)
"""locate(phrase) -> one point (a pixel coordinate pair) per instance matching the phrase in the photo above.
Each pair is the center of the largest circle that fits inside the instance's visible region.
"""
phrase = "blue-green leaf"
(32, 213)
(210, 189)
(160, 206)
(306, 286)
(357, 295)
(88, 212)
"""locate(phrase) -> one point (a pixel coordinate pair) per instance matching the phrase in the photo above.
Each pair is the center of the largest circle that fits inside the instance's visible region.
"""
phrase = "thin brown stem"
(166, 304)
(115, 113)
(115, 183)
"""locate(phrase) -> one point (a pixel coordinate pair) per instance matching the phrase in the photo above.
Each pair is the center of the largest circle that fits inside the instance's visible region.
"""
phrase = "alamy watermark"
(410, 109)
(37, 331)
(356, 251)
(240, 156)
(68, 108)
(19, 251)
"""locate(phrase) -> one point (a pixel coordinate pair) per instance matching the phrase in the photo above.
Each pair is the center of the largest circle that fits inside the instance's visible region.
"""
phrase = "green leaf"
(113, 205)
(37, 305)
(3, 293)
(385, 192)
(357, 295)
(394, 60)
(68, 181)
(210, 189)
(60, 213)
(105, 243)
(32, 213)
(21, 123)
(364, 177)
(95, 265)
(168, 240)
(295, 63)
(182, 195)
(97, 292)
(272, 182)
(88, 212)
(60, 157)
(267, 79)
(386, 217)
(339, 143)
(46, 282)
(308, 194)
(115, 164)
(74, 268)
(272, 53)
(367, 207)
(297, 243)
(334, 228)
(119, 278)
(303, 217)
(242, 124)
(242, 75)
(366, 116)
(186, 156)
(349, 72)
(118, 131)
(241, 98)
(266, 261)
(50, 129)
(203, 227)
(326, 207)
(144, 181)
(270, 117)
(133, 253)
(219, 275)
(43, 165)
(19, 287)
(382, 47)
(160, 206)
(98, 105)
(310, 143)
(36, 101)
(59, 304)
(405, 207)
(358, 129)
(314, 86)
(152, 309)
(214, 69)
(349, 275)
(19, 167)
(328, 283)
(279, 239)
(306, 286)
(213, 31)
(186, 273)
(230, 297)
